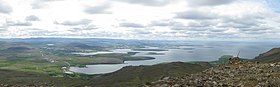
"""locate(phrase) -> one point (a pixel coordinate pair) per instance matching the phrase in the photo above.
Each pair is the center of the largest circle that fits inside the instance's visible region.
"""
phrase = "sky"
(141, 19)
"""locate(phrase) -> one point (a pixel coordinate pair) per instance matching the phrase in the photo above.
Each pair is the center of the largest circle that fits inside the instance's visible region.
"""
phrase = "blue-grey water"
(188, 51)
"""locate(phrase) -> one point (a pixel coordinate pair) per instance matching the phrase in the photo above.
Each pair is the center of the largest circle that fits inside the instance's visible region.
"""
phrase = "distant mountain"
(131, 76)
(272, 55)
(79, 45)
(83, 46)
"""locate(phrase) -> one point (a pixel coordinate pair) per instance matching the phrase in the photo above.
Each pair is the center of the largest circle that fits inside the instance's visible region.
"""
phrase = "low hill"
(132, 76)
(83, 46)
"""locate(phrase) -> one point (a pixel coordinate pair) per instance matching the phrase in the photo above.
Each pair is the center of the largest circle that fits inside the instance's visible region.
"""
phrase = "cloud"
(83, 28)
(145, 19)
(101, 9)
(205, 23)
(148, 2)
(226, 21)
(233, 25)
(140, 31)
(39, 4)
(218, 30)
(188, 28)
(18, 23)
(242, 22)
(5, 8)
(195, 15)
(162, 23)
(41, 32)
(75, 23)
(32, 18)
(208, 2)
(191, 25)
(131, 25)
(3, 28)
(89, 27)
(256, 29)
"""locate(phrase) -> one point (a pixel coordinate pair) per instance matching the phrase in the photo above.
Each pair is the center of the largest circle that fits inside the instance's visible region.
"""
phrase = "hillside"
(272, 55)
(248, 74)
(132, 76)
(15, 50)
(12, 78)
(126, 77)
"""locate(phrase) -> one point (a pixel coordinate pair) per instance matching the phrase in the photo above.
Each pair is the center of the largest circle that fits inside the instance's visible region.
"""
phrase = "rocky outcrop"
(243, 74)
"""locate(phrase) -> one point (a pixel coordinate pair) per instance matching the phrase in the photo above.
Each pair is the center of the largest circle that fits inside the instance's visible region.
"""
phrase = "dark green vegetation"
(20, 78)
(132, 76)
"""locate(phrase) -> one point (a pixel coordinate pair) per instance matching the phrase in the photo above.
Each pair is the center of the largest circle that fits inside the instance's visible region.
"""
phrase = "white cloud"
(148, 2)
(140, 19)
(5, 7)
(39, 4)
(100, 9)
(196, 14)
(208, 2)
(131, 25)
(18, 23)
(32, 18)
(75, 23)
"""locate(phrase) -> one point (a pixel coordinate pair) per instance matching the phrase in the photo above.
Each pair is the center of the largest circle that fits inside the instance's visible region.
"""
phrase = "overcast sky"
(141, 19)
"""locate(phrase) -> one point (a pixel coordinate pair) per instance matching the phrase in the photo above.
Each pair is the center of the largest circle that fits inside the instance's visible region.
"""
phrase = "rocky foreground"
(242, 74)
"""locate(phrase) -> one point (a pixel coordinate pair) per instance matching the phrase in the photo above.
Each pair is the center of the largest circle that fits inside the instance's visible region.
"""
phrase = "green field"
(37, 57)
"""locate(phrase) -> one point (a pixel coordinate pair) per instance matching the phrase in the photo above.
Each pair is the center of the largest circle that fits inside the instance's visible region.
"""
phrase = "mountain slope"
(244, 74)
(272, 55)
(132, 76)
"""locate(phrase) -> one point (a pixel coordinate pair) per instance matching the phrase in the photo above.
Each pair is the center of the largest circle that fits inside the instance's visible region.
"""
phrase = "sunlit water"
(193, 51)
